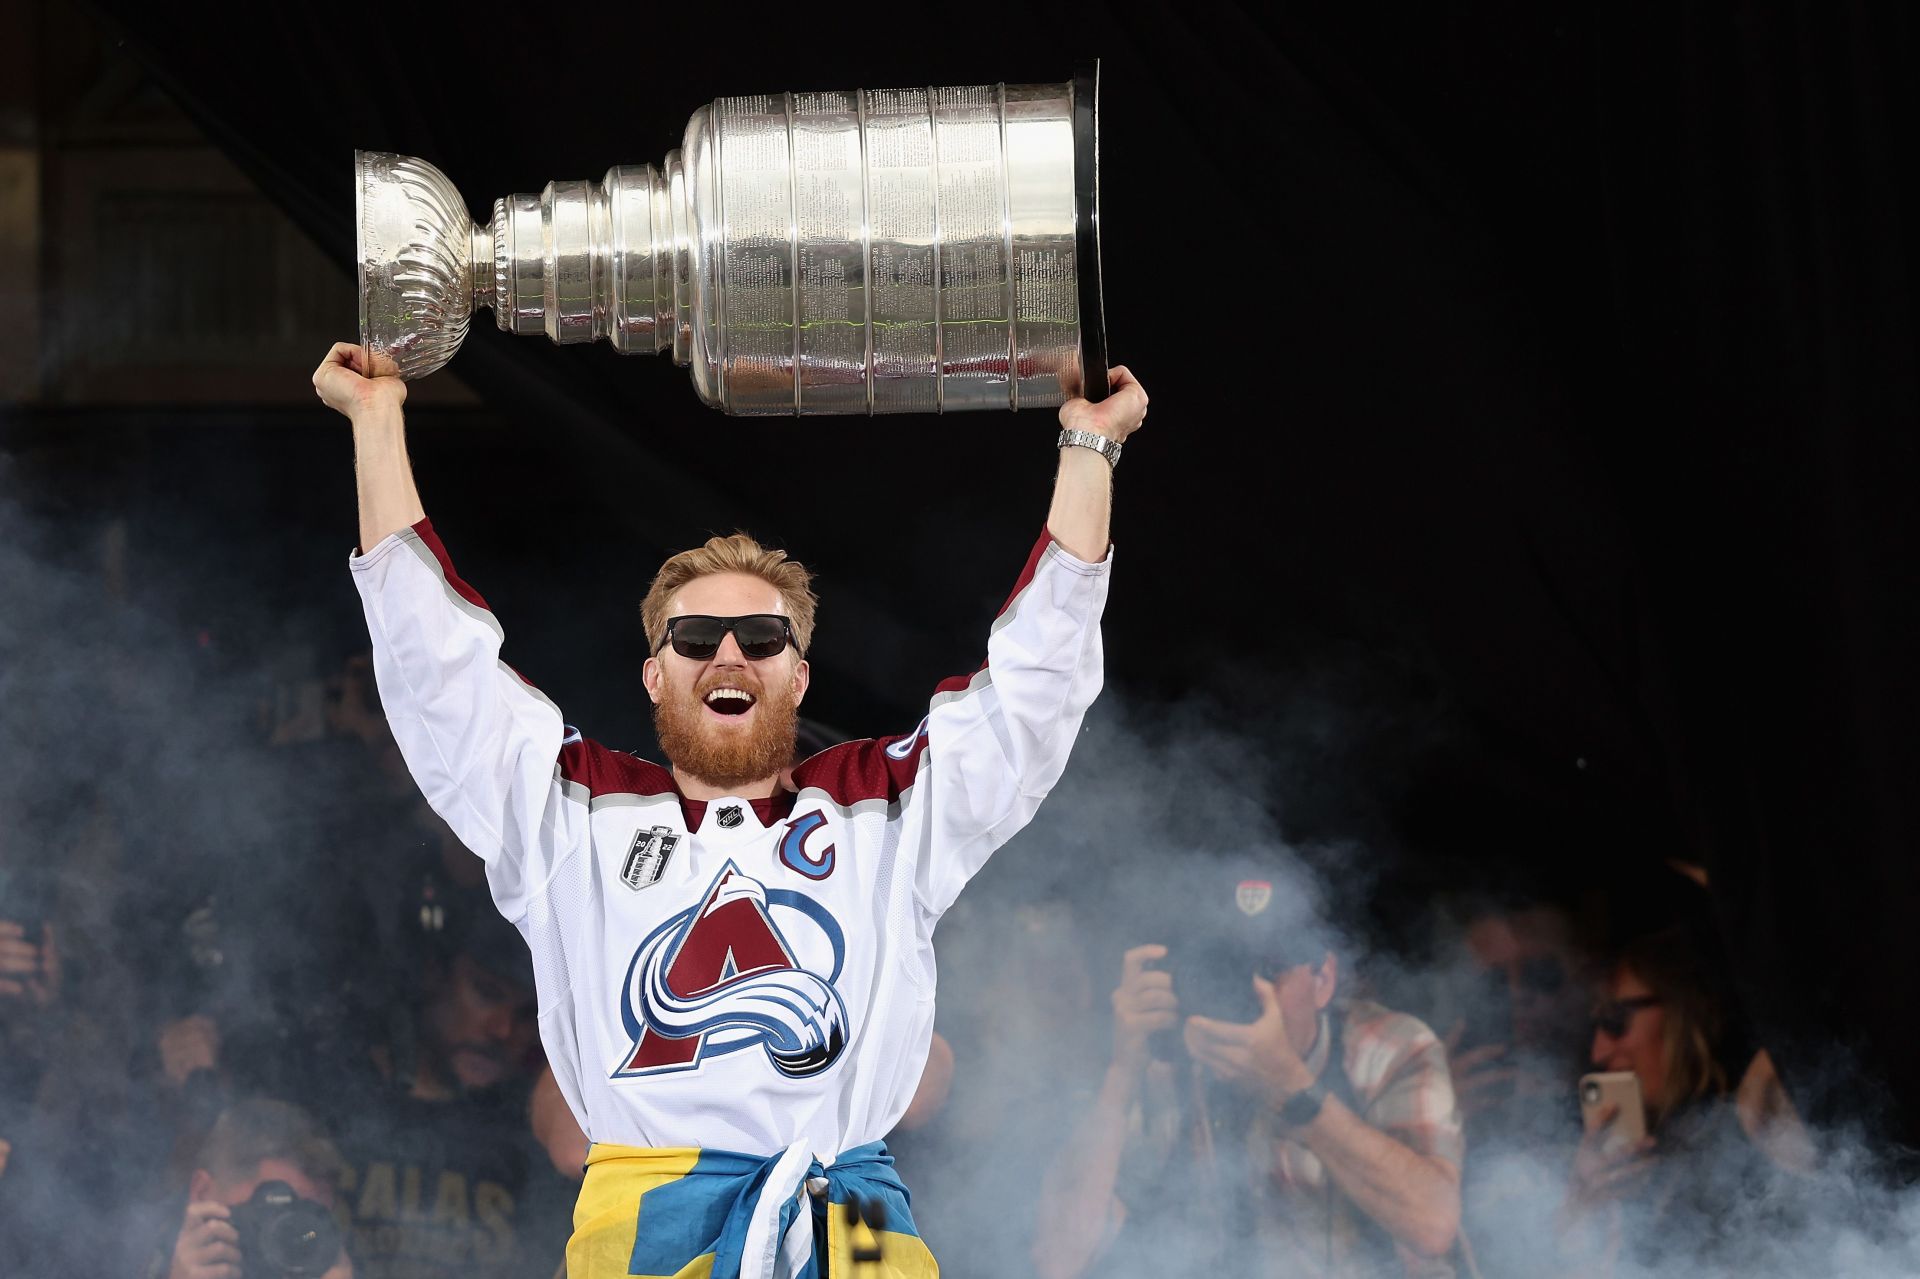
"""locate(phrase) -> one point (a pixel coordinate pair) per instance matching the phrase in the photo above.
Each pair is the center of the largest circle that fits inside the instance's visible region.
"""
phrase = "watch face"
(1303, 1107)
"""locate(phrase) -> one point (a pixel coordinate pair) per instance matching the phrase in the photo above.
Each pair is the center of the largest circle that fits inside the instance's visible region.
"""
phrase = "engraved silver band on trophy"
(872, 251)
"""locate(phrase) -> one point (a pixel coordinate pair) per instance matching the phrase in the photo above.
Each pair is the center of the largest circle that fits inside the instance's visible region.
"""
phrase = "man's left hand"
(1257, 1057)
(1117, 416)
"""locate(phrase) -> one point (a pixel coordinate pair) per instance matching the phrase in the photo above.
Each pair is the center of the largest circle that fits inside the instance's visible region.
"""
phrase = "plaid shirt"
(1298, 1222)
(1401, 1086)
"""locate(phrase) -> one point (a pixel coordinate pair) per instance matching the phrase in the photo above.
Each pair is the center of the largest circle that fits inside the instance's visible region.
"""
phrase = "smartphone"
(1621, 1090)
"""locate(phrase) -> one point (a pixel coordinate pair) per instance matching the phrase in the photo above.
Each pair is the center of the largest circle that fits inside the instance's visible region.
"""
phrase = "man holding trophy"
(734, 962)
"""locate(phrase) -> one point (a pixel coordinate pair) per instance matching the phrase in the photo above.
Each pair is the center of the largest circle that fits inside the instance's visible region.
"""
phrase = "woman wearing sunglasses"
(735, 974)
(1672, 1197)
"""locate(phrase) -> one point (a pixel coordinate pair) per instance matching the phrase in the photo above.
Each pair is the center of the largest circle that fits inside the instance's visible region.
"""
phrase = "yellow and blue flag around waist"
(689, 1213)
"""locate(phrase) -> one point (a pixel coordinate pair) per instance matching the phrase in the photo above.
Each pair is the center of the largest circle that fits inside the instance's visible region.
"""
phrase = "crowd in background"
(315, 1000)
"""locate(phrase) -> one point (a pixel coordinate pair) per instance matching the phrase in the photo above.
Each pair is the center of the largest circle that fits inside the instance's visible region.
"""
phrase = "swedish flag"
(688, 1213)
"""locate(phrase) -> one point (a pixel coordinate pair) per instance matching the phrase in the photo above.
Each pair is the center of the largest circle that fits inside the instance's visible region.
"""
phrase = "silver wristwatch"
(1071, 437)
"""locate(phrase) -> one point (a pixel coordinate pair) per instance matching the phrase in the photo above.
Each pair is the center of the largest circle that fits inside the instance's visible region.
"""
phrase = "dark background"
(1533, 383)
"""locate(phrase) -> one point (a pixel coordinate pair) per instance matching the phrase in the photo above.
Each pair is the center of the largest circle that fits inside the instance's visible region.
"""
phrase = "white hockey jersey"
(736, 975)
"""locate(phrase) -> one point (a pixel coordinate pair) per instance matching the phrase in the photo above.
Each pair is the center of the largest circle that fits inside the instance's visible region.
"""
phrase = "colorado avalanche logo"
(722, 976)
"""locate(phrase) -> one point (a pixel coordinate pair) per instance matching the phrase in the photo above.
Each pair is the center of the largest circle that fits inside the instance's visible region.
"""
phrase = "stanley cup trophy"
(874, 251)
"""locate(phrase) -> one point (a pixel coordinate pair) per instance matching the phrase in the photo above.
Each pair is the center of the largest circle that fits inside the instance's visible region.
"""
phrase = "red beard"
(718, 755)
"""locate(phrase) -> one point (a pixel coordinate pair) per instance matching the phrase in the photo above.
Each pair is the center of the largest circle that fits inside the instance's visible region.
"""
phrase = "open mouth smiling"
(729, 702)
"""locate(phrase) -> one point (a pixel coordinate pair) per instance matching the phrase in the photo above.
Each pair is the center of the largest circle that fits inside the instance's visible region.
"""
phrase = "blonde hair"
(735, 554)
(248, 1133)
(1673, 967)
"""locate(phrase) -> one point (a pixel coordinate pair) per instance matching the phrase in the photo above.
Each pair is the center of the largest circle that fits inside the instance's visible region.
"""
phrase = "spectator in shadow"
(443, 1177)
(1521, 1019)
(1515, 997)
(1687, 1192)
(428, 1106)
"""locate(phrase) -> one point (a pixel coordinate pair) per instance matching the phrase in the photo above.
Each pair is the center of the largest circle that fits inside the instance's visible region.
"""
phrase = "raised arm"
(349, 384)
(1083, 491)
(479, 740)
(995, 742)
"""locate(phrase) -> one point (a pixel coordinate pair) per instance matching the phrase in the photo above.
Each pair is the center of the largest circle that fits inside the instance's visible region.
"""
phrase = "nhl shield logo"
(730, 816)
(1252, 896)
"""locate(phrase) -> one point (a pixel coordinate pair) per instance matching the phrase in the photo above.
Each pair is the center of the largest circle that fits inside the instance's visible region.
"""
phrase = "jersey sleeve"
(481, 742)
(997, 741)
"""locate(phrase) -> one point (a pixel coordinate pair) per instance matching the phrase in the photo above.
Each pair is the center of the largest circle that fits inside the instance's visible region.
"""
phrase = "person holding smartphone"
(1662, 1020)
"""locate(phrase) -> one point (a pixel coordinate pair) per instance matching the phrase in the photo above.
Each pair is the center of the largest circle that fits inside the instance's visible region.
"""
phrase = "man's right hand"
(208, 1246)
(1483, 1076)
(1143, 1005)
(353, 382)
(29, 970)
(369, 391)
(1603, 1171)
(189, 1044)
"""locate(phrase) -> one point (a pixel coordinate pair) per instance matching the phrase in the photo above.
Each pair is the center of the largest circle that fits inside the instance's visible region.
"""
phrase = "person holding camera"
(260, 1204)
(1290, 1133)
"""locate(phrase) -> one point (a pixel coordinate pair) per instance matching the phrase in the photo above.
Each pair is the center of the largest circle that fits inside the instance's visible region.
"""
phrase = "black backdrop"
(1553, 365)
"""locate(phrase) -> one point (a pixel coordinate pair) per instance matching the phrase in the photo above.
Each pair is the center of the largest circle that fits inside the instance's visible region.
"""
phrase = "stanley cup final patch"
(647, 859)
(1252, 896)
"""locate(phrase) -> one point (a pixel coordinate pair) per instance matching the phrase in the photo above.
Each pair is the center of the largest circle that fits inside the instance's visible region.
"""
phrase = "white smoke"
(1154, 793)
(1028, 956)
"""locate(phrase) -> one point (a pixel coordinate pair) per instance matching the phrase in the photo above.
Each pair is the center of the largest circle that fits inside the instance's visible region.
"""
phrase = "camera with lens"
(1228, 926)
(1590, 1092)
(1214, 978)
(283, 1236)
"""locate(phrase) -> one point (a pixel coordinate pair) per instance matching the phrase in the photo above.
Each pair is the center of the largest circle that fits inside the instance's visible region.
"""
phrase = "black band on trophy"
(1086, 221)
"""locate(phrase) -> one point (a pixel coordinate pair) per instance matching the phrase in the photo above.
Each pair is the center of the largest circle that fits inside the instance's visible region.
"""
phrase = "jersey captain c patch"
(737, 970)
(794, 850)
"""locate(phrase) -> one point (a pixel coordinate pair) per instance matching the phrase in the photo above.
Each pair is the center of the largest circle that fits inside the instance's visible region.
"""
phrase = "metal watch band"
(1072, 437)
(1303, 1107)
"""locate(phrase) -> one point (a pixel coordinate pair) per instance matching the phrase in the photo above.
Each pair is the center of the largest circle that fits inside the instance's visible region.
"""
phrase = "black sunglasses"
(1611, 1018)
(697, 636)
